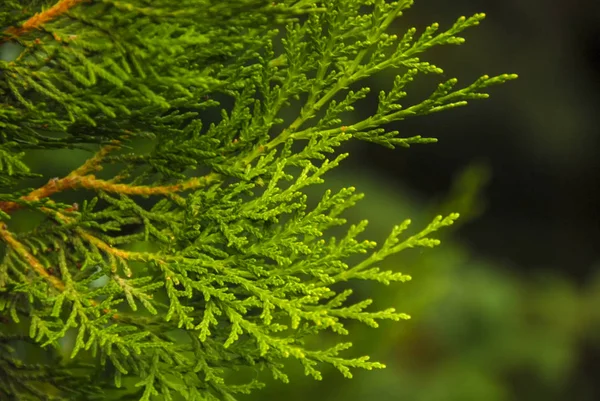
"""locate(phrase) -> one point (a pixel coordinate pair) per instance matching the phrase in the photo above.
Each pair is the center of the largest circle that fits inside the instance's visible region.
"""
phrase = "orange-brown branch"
(93, 163)
(100, 244)
(22, 251)
(55, 185)
(91, 182)
(42, 18)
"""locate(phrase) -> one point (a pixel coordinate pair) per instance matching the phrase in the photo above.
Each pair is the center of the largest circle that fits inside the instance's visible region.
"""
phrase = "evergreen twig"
(222, 268)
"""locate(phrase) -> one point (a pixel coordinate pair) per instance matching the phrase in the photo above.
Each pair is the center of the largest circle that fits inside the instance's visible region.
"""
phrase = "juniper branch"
(232, 257)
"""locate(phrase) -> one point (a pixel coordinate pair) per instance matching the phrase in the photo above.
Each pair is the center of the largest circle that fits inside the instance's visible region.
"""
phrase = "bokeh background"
(508, 307)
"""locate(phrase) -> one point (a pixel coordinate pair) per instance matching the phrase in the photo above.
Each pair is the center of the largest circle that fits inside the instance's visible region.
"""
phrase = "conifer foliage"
(199, 257)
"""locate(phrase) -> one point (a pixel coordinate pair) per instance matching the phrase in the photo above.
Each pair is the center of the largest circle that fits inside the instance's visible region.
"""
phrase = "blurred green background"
(507, 308)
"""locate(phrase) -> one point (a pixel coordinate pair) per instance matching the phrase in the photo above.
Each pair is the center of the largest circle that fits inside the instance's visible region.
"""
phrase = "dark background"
(506, 308)
(539, 134)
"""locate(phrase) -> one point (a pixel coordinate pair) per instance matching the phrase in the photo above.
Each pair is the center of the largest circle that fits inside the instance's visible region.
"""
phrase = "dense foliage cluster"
(199, 257)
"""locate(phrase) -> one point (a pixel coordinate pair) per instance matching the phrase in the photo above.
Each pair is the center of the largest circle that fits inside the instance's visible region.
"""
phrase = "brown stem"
(100, 244)
(35, 264)
(91, 182)
(22, 251)
(56, 185)
(40, 19)
(93, 163)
